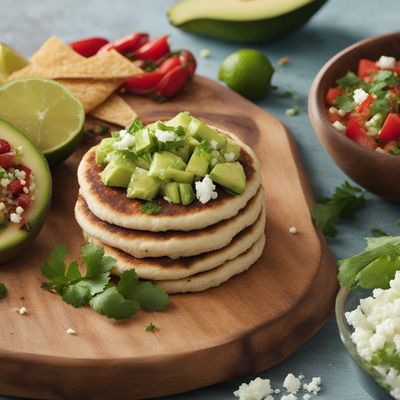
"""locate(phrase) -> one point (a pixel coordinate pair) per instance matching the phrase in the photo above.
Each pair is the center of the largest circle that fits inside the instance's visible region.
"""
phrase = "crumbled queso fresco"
(376, 323)
(261, 389)
(205, 190)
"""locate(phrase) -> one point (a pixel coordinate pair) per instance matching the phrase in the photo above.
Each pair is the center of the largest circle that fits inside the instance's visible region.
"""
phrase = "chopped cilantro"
(350, 80)
(381, 105)
(344, 203)
(150, 327)
(3, 290)
(387, 355)
(395, 151)
(345, 103)
(389, 78)
(135, 125)
(378, 232)
(104, 129)
(95, 287)
(151, 208)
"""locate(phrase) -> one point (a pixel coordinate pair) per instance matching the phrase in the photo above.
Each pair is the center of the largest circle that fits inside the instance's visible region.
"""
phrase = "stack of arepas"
(183, 248)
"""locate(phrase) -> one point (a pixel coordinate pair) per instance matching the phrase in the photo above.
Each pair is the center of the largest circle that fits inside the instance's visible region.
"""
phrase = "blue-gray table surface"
(25, 25)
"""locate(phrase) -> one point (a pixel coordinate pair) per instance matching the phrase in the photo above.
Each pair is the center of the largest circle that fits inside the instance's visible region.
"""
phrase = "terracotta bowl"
(377, 172)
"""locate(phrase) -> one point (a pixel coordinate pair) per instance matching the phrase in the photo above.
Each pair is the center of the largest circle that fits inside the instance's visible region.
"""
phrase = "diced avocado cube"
(229, 175)
(143, 141)
(182, 119)
(232, 148)
(177, 175)
(171, 190)
(118, 172)
(161, 161)
(105, 146)
(217, 157)
(183, 152)
(201, 131)
(193, 143)
(142, 186)
(144, 161)
(135, 126)
(197, 165)
(187, 193)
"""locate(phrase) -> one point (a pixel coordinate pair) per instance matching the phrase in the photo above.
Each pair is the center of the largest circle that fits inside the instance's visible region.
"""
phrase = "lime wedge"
(46, 112)
(10, 61)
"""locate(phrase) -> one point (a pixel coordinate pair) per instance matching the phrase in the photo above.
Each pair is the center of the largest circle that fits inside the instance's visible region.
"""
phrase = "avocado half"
(242, 21)
(13, 238)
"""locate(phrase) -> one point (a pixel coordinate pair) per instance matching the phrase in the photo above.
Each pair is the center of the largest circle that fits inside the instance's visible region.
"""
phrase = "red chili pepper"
(5, 147)
(331, 95)
(188, 61)
(90, 46)
(367, 68)
(127, 44)
(15, 187)
(363, 108)
(168, 64)
(145, 82)
(391, 128)
(172, 82)
(153, 50)
(24, 200)
(7, 160)
(356, 132)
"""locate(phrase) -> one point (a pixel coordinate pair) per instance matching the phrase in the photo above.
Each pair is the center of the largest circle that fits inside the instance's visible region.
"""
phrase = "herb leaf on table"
(3, 290)
(344, 203)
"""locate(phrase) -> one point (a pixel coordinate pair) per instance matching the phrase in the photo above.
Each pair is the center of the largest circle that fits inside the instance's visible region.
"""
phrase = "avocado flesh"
(171, 190)
(182, 119)
(201, 131)
(161, 161)
(177, 175)
(142, 186)
(187, 193)
(12, 238)
(234, 148)
(243, 21)
(229, 175)
(118, 172)
(105, 147)
(183, 152)
(197, 165)
(143, 141)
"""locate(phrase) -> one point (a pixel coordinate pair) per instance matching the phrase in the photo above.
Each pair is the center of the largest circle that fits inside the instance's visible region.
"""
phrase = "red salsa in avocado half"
(365, 106)
(16, 186)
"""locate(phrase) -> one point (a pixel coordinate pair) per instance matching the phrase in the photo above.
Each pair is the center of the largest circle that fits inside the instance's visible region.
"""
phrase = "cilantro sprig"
(151, 208)
(344, 203)
(95, 288)
(3, 290)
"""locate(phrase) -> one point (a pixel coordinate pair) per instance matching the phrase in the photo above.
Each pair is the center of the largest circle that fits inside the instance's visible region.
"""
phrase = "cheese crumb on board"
(70, 331)
(257, 389)
(292, 384)
(314, 386)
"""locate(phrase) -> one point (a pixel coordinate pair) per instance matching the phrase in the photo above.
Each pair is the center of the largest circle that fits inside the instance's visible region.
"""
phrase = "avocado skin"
(255, 31)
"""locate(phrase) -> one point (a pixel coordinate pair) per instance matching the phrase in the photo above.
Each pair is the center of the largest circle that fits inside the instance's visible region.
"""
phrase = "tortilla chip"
(91, 92)
(114, 110)
(54, 52)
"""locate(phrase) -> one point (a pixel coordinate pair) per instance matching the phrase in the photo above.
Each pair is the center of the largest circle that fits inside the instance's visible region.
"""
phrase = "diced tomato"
(333, 92)
(145, 82)
(5, 147)
(15, 187)
(88, 47)
(24, 200)
(391, 128)
(153, 50)
(367, 68)
(364, 107)
(356, 132)
(397, 68)
(7, 160)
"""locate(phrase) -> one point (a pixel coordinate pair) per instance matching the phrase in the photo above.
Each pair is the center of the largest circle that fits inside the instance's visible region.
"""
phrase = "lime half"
(10, 61)
(46, 112)
(248, 72)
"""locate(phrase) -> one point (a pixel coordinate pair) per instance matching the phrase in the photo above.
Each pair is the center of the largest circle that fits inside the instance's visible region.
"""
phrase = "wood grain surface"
(248, 324)
(377, 172)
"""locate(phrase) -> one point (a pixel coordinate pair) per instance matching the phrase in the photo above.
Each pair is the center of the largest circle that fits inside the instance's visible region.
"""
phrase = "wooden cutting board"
(248, 324)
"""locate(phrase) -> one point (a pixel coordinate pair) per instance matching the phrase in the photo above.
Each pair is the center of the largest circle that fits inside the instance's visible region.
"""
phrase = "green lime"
(46, 112)
(248, 72)
(10, 61)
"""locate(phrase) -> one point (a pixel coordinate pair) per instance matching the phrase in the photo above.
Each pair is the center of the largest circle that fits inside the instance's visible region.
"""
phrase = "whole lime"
(248, 72)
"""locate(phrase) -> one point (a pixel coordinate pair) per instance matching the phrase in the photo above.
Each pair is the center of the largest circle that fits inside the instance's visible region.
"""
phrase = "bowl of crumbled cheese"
(369, 327)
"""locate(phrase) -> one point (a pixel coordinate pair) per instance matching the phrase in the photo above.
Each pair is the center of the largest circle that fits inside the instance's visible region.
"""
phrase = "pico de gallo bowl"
(364, 105)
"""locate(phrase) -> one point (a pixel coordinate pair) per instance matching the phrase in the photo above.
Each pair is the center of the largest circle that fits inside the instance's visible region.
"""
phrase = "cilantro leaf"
(151, 208)
(395, 151)
(95, 261)
(147, 295)
(349, 268)
(378, 273)
(135, 125)
(381, 105)
(344, 203)
(387, 355)
(150, 327)
(3, 290)
(54, 268)
(345, 103)
(73, 273)
(112, 304)
(77, 294)
(350, 80)
(389, 78)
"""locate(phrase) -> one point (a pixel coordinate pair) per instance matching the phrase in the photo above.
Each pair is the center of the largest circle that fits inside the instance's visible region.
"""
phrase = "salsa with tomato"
(17, 184)
(365, 106)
